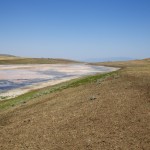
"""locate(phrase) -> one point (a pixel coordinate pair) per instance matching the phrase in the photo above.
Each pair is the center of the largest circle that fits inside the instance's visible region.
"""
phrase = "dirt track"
(117, 118)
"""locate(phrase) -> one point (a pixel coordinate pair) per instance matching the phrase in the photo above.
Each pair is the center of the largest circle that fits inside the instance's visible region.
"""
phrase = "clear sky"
(77, 29)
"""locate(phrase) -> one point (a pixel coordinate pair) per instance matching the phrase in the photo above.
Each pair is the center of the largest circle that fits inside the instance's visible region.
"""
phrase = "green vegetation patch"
(58, 87)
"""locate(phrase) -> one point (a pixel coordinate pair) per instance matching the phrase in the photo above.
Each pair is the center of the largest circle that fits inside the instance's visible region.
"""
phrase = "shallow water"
(24, 76)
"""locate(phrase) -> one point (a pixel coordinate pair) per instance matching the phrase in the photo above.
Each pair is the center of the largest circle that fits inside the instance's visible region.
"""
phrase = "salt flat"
(19, 79)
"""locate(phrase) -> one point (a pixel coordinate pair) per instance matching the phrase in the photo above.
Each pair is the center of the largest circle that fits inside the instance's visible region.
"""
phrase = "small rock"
(92, 98)
(99, 81)
(27, 120)
(116, 76)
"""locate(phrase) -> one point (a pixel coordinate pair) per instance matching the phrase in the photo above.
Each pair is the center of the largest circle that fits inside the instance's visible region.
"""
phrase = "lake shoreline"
(44, 76)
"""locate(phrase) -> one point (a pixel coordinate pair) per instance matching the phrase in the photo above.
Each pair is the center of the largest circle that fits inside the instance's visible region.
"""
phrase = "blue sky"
(77, 29)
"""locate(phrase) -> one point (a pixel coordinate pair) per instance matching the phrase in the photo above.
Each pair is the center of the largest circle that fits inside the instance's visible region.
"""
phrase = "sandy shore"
(19, 91)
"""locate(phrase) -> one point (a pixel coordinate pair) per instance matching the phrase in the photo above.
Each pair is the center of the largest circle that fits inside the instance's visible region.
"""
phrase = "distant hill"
(147, 59)
(10, 59)
(6, 55)
(108, 59)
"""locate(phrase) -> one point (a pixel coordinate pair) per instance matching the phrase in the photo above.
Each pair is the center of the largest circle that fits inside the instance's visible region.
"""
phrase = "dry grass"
(6, 60)
(117, 118)
(7, 57)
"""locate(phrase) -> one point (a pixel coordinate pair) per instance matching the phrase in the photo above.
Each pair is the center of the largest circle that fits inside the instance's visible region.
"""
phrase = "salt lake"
(18, 79)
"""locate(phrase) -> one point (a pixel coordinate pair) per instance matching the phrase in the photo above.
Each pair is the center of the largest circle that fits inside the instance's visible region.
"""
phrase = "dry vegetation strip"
(107, 115)
(17, 60)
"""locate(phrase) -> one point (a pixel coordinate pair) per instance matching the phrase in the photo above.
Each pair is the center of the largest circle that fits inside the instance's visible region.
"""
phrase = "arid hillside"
(103, 112)
(9, 59)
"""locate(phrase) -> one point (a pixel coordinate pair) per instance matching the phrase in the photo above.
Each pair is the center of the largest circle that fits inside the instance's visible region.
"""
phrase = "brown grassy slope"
(118, 118)
(131, 63)
(20, 60)
(7, 57)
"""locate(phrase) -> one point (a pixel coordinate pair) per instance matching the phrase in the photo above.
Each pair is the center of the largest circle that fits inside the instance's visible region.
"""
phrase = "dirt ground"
(111, 115)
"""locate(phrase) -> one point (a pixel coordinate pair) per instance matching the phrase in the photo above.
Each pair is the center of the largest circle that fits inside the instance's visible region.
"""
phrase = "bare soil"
(111, 115)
